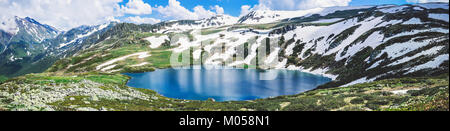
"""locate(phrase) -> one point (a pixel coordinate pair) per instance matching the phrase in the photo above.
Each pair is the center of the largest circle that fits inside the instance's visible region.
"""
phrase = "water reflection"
(224, 84)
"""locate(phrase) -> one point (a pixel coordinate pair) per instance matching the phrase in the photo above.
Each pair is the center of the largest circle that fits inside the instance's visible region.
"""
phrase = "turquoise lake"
(225, 84)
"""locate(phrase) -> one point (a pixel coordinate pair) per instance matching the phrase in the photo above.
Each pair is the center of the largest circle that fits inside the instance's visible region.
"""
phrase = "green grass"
(210, 31)
(48, 78)
(90, 60)
(3, 78)
(140, 35)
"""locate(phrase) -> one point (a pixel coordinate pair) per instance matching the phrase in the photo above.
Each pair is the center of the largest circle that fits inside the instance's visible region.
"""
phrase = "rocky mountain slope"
(23, 44)
(107, 92)
(33, 47)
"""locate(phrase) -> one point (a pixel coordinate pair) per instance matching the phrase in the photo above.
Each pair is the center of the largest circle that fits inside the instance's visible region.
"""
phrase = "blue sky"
(67, 14)
(233, 7)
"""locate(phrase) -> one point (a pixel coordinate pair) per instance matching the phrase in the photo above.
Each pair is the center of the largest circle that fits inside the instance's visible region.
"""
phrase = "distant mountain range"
(33, 47)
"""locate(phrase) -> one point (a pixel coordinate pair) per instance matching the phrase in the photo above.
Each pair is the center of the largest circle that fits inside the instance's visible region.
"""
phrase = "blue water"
(225, 84)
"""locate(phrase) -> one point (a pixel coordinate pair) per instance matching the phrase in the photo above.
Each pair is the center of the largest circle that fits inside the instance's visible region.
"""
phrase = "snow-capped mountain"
(269, 16)
(77, 35)
(218, 20)
(22, 43)
(30, 29)
(25, 34)
(25, 30)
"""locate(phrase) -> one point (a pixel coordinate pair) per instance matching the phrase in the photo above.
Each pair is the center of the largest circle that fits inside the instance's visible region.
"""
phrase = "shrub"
(357, 101)
(3, 78)
(129, 69)
(426, 91)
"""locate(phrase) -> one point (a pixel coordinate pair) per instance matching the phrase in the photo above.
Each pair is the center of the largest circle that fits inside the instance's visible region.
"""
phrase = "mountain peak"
(35, 22)
(262, 16)
(29, 19)
(218, 20)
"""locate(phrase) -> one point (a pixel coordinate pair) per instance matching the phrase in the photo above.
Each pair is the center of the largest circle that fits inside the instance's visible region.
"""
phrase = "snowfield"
(140, 55)
(431, 51)
(156, 41)
(84, 35)
(327, 20)
(323, 44)
(268, 16)
(431, 64)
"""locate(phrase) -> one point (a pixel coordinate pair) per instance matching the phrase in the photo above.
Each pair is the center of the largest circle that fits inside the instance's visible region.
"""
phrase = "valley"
(107, 92)
(380, 58)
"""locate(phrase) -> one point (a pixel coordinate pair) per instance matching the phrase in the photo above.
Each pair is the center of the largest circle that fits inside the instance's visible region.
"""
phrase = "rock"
(71, 98)
(243, 109)
(284, 104)
(94, 98)
(103, 109)
(86, 109)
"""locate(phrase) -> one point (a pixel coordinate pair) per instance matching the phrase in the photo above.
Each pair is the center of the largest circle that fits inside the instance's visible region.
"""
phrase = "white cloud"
(300, 4)
(219, 10)
(245, 9)
(201, 12)
(139, 20)
(62, 14)
(137, 7)
(8, 24)
(425, 1)
(174, 10)
(112, 19)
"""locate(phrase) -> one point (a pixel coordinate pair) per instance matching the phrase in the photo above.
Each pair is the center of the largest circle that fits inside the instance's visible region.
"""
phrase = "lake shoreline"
(298, 82)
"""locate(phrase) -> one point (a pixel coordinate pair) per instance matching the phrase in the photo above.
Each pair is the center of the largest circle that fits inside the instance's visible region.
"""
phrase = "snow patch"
(140, 56)
(431, 51)
(108, 67)
(140, 64)
(400, 49)
(392, 9)
(434, 5)
(156, 41)
(375, 64)
(443, 17)
(431, 64)
(8, 25)
(80, 36)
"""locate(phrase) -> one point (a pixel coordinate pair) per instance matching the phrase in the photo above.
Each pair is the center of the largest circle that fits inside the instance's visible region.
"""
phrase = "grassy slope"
(3, 78)
(433, 95)
(88, 60)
